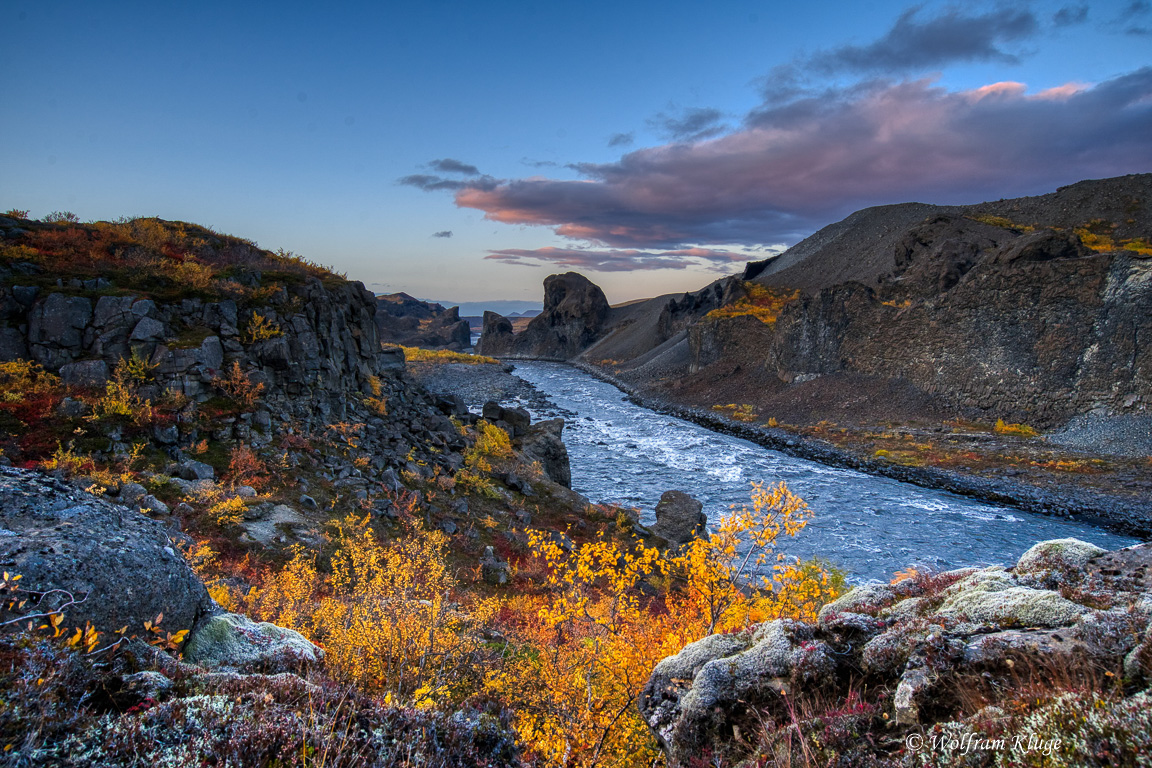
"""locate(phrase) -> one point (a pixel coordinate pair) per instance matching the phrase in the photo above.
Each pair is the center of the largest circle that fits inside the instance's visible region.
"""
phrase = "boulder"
(229, 641)
(147, 329)
(85, 373)
(493, 570)
(121, 564)
(1014, 606)
(542, 443)
(196, 470)
(516, 418)
(1058, 554)
(679, 518)
(282, 524)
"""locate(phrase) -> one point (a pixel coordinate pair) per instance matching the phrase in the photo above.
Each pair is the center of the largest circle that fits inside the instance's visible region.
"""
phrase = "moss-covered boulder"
(1013, 606)
(1058, 554)
(235, 642)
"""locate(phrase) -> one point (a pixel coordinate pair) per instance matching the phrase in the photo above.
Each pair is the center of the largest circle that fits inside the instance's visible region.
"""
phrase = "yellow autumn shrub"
(576, 667)
(444, 356)
(759, 301)
(387, 616)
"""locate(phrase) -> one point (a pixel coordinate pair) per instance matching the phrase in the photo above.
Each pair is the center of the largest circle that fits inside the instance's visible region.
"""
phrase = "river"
(869, 526)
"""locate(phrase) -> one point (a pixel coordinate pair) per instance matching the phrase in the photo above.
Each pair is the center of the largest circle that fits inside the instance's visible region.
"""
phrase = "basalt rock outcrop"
(574, 317)
(1031, 327)
(401, 319)
(928, 641)
(542, 443)
(309, 344)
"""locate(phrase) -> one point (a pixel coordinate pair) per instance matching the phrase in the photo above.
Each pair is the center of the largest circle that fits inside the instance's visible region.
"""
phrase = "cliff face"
(1032, 327)
(320, 340)
(574, 316)
(311, 343)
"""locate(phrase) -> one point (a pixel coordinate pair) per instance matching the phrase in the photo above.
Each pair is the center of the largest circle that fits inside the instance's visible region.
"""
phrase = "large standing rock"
(119, 562)
(574, 316)
(496, 335)
(679, 518)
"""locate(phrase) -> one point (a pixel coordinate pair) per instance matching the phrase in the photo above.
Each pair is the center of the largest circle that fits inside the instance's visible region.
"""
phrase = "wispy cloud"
(1070, 15)
(1134, 18)
(443, 233)
(914, 44)
(621, 139)
(430, 183)
(448, 165)
(621, 260)
(692, 124)
(795, 166)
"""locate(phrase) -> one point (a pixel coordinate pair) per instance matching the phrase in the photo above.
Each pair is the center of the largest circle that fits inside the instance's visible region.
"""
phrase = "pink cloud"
(799, 165)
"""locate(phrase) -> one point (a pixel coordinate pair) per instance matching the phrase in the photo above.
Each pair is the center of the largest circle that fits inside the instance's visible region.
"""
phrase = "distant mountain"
(506, 307)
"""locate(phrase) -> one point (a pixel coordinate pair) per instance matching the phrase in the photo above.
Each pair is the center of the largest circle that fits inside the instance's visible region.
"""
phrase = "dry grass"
(444, 356)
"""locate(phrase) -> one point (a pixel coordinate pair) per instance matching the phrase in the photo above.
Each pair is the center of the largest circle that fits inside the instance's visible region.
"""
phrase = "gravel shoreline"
(479, 384)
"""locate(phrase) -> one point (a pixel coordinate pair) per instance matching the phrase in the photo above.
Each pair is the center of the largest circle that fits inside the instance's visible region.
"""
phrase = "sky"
(462, 151)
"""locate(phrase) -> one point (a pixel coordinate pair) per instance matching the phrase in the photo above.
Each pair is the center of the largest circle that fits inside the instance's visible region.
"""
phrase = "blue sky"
(653, 146)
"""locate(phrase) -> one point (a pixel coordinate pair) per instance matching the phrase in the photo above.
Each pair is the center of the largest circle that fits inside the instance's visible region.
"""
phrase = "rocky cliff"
(401, 319)
(574, 316)
(1027, 326)
(306, 342)
(1028, 310)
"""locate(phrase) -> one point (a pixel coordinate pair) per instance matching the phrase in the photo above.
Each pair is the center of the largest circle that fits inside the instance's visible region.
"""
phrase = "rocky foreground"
(171, 678)
(1054, 655)
(196, 431)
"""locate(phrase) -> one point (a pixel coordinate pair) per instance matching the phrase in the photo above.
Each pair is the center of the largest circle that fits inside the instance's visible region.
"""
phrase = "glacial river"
(870, 526)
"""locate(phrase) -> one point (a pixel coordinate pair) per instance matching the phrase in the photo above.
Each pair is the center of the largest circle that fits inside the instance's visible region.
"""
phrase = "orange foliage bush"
(245, 467)
(239, 386)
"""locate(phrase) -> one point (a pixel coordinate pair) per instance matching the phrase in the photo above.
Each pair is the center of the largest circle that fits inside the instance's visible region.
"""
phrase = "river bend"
(870, 526)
